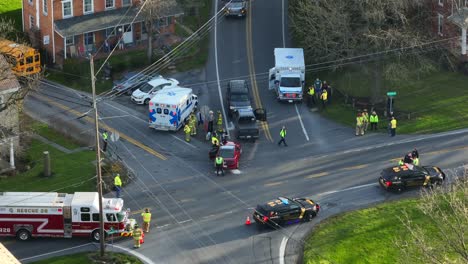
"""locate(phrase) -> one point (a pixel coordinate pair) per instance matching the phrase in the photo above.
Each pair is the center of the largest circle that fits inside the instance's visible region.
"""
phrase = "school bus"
(24, 60)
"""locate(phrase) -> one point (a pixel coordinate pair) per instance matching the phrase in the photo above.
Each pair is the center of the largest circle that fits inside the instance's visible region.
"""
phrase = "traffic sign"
(391, 93)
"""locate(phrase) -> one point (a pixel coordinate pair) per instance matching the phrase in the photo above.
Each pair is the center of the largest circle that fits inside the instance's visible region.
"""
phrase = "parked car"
(237, 96)
(245, 123)
(284, 211)
(144, 93)
(399, 178)
(130, 82)
(231, 153)
(236, 8)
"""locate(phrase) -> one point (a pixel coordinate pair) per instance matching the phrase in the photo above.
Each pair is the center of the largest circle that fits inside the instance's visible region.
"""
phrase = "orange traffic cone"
(247, 221)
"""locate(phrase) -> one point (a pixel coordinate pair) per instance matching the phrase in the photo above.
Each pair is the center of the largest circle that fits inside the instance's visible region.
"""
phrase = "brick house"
(73, 28)
(450, 20)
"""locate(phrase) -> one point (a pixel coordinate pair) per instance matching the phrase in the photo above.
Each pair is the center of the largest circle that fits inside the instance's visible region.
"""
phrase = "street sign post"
(391, 95)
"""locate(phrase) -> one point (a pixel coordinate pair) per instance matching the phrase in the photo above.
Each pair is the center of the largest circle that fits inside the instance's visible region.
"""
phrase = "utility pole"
(98, 156)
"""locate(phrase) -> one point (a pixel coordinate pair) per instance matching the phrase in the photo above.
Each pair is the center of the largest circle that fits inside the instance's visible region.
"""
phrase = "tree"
(447, 239)
(153, 11)
(340, 29)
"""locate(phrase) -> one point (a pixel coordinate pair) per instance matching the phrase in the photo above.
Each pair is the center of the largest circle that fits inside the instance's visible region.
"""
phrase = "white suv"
(143, 94)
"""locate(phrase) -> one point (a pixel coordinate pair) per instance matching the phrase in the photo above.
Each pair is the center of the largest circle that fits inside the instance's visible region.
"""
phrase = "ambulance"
(171, 107)
(49, 214)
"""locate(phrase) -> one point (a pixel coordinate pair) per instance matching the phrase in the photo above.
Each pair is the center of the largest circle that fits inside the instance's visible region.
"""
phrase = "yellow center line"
(253, 79)
(317, 175)
(273, 183)
(106, 127)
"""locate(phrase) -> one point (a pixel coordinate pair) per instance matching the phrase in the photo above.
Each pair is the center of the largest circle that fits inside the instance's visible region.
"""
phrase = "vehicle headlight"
(232, 107)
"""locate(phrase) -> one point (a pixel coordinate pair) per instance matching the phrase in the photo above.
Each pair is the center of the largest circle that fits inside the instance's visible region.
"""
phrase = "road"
(200, 217)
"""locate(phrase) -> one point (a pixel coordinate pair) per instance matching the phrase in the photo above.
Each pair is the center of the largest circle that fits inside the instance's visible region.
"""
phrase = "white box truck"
(170, 108)
(287, 78)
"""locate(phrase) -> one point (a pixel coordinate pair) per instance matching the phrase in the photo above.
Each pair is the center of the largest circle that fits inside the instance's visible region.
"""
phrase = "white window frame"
(63, 8)
(113, 4)
(92, 7)
(31, 21)
(440, 24)
(45, 9)
(129, 3)
(441, 2)
(70, 43)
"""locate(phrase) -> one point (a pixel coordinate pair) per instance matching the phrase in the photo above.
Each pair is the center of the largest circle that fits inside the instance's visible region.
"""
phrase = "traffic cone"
(247, 221)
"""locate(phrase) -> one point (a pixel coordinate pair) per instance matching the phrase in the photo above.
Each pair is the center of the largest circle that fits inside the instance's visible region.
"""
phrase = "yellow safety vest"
(365, 116)
(359, 120)
(146, 217)
(324, 95)
(117, 181)
(311, 90)
(214, 141)
(137, 234)
(416, 161)
(283, 133)
(393, 122)
(219, 160)
(104, 136)
(186, 129)
(374, 119)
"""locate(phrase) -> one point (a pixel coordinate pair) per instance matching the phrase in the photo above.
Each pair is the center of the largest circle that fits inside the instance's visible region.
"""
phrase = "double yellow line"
(106, 127)
(253, 79)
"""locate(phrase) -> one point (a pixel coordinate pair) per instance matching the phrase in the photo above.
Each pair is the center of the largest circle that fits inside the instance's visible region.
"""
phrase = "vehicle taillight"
(388, 183)
(265, 218)
(317, 207)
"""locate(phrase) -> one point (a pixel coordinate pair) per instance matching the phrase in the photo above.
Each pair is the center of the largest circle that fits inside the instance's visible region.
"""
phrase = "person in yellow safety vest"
(105, 136)
(220, 122)
(415, 161)
(214, 140)
(324, 98)
(187, 132)
(219, 165)
(359, 124)
(365, 120)
(311, 98)
(146, 220)
(137, 235)
(374, 120)
(117, 185)
(393, 125)
(193, 125)
(401, 163)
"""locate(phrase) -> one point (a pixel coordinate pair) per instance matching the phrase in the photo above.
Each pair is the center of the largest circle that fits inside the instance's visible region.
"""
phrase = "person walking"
(393, 126)
(105, 137)
(283, 137)
(187, 132)
(137, 236)
(359, 124)
(146, 215)
(219, 162)
(365, 120)
(311, 96)
(117, 185)
(324, 99)
(219, 122)
(374, 120)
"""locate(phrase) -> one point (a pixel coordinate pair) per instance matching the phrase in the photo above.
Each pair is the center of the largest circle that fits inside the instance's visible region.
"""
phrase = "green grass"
(364, 236)
(434, 103)
(11, 9)
(44, 130)
(87, 257)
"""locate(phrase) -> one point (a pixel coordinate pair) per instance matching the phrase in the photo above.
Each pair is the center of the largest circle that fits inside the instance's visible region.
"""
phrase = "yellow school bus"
(24, 60)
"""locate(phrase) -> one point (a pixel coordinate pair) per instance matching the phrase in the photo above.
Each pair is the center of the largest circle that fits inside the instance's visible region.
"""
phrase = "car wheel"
(95, 236)
(309, 216)
(23, 235)
(146, 101)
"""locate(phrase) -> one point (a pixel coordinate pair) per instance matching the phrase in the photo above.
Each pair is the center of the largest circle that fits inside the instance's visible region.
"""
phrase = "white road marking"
(163, 226)
(302, 124)
(136, 254)
(54, 252)
(282, 249)
(110, 117)
(217, 67)
(236, 171)
(185, 221)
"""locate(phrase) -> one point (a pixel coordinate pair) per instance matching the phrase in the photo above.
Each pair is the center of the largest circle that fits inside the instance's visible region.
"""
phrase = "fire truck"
(38, 214)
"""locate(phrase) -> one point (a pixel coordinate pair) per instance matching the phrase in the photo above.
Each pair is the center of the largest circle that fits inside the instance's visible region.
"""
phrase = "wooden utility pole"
(98, 156)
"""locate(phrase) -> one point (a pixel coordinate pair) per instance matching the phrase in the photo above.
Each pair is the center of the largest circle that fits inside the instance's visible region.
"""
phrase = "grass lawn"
(11, 9)
(364, 236)
(89, 257)
(434, 103)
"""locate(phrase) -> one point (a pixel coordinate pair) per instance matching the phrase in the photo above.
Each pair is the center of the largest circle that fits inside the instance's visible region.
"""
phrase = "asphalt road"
(200, 217)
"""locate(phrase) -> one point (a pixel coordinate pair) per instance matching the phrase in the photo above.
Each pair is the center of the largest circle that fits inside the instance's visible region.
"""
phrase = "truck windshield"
(290, 82)
(120, 216)
(246, 120)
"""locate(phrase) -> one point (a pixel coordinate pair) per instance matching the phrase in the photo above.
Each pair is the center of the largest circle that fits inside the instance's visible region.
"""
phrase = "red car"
(231, 153)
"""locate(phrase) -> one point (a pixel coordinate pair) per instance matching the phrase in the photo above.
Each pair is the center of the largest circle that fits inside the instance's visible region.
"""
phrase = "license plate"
(290, 101)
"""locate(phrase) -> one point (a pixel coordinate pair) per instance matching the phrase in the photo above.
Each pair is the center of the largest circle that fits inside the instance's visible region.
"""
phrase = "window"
(111, 217)
(163, 22)
(96, 217)
(31, 21)
(89, 38)
(110, 32)
(110, 3)
(126, 2)
(166, 112)
(44, 7)
(441, 2)
(440, 23)
(70, 41)
(158, 110)
(88, 6)
(67, 9)
(85, 217)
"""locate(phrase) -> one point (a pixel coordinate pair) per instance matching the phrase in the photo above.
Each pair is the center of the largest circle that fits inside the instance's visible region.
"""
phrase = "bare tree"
(340, 29)
(446, 240)
(153, 12)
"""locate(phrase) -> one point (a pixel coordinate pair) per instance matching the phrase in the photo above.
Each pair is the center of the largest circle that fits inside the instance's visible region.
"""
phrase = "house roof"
(8, 80)
(102, 20)
(460, 17)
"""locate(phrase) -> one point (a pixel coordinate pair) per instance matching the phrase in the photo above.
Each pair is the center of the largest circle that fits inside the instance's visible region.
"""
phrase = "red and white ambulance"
(38, 214)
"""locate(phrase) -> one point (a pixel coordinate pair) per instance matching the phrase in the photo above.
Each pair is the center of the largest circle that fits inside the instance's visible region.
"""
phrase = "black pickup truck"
(245, 123)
